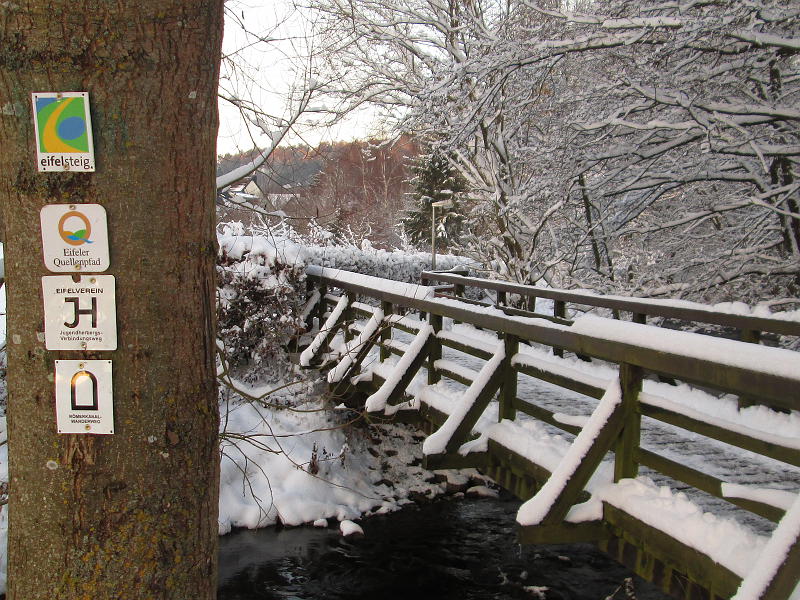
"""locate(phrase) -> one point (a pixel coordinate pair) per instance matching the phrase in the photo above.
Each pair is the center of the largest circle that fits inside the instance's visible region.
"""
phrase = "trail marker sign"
(63, 126)
(80, 312)
(84, 397)
(74, 238)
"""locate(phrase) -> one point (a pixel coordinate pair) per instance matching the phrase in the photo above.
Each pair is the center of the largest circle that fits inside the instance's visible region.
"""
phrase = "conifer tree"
(434, 180)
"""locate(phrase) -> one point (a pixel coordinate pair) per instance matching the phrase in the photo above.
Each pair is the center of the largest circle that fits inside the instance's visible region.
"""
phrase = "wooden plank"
(785, 580)
(340, 387)
(459, 377)
(564, 533)
(349, 316)
(697, 566)
(559, 311)
(473, 460)
(576, 483)
(702, 481)
(485, 395)
(395, 396)
(780, 390)
(386, 330)
(782, 453)
(625, 465)
(508, 310)
(434, 349)
(508, 393)
(643, 306)
(466, 349)
(562, 381)
(545, 415)
(519, 464)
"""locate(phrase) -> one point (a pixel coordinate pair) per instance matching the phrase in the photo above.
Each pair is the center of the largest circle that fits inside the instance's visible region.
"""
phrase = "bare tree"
(645, 148)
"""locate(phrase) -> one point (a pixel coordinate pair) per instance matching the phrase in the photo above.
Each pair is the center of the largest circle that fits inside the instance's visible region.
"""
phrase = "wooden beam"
(508, 393)
(564, 533)
(734, 438)
(625, 465)
(707, 483)
(697, 567)
(485, 394)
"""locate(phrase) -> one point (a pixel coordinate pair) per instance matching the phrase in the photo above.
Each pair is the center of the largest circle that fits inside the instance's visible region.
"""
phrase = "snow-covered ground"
(297, 460)
(303, 461)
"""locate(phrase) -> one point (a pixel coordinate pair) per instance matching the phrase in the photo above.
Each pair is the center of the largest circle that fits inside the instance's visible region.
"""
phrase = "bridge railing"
(750, 327)
(764, 375)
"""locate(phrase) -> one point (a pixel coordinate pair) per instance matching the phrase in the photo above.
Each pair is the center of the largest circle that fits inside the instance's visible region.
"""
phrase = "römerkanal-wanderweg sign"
(84, 396)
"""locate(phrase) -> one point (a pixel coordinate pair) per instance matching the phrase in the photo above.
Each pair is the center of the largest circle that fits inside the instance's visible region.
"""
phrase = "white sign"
(79, 315)
(74, 238)
(84, 396)
(63, 125)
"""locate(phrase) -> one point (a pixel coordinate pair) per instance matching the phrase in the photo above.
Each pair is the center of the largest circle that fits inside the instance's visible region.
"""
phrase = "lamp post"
(434, 206)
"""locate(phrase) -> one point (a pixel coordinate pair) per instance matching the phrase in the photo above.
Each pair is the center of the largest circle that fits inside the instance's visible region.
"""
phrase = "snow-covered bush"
(398, 265)
(259, 283)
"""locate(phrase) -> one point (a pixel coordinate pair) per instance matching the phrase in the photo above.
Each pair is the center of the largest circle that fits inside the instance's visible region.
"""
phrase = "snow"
(259, 249)
(436, 443)
(280, 485)
(772, 556)
(722, 539)
(777, 498)
(482, 491)
(307, 355)
(377, 401)
(347, 527)
(757, 422)
(534, 510)
(409, 290)
(775, 361)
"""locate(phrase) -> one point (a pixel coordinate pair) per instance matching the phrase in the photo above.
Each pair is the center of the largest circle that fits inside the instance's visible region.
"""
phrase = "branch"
(235, 175)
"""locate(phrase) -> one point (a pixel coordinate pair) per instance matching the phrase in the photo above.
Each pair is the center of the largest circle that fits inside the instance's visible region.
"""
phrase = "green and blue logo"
(62, 124)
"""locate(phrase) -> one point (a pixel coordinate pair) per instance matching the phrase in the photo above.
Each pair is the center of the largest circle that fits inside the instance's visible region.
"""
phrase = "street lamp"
(434, 206)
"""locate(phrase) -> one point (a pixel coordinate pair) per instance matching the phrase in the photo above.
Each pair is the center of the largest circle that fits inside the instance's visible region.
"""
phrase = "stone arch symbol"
(73, 384)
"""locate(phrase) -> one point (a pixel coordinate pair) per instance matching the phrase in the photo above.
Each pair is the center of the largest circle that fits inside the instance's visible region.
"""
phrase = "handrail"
(688, 311)
(614, 424)
(778, 389)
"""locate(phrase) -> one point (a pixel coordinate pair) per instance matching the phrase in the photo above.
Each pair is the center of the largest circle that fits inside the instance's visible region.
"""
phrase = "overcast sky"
(270, 70)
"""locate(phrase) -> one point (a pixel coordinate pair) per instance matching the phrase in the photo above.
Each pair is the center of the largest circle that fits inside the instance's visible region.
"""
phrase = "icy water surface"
(451, 549)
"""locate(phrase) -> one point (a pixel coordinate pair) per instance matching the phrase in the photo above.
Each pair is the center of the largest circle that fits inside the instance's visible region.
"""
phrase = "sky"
(266, 71)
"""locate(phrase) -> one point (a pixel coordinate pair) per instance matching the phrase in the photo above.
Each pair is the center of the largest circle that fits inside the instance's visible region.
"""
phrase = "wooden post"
(323, 291)
(501, 298)
(435, 351)
(625, 465)
(386, 330)
(752, 336)
(348, 317)
(640, 318)
(560, 311)
(508, 392)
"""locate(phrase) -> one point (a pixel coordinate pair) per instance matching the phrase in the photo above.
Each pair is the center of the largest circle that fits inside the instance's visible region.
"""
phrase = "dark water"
(448, 550)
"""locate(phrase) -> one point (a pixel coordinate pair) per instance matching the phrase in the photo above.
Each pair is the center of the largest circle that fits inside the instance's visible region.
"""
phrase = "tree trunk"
(131, 515)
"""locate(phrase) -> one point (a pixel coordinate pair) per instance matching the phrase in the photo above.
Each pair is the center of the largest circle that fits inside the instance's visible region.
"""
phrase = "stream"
(449, 549)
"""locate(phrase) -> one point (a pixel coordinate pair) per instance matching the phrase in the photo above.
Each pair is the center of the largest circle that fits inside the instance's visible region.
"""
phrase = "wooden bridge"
(693, 412)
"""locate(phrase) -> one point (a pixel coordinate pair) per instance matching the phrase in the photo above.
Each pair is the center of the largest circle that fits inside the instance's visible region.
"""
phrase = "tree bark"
(131, 515)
